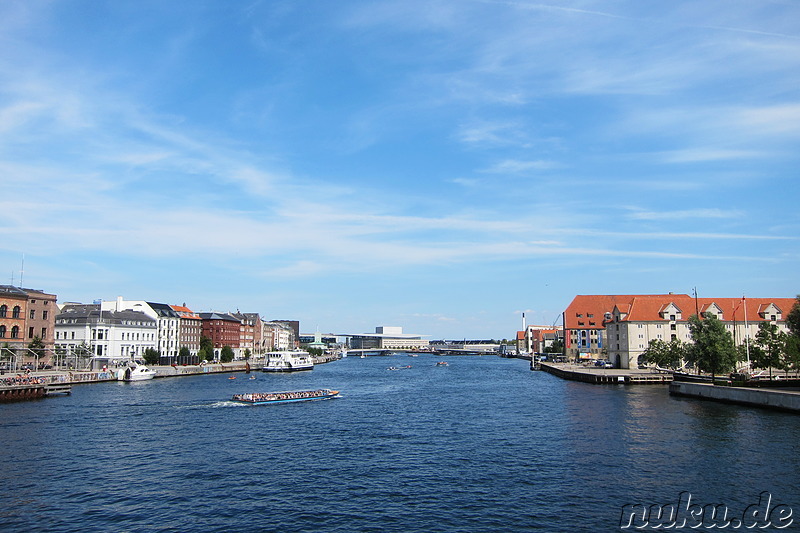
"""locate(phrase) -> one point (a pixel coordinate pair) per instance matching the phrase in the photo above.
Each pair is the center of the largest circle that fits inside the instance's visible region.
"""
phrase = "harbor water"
(482, 444)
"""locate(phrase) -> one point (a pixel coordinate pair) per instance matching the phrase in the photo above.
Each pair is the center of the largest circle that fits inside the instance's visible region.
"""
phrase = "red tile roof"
(648, 307)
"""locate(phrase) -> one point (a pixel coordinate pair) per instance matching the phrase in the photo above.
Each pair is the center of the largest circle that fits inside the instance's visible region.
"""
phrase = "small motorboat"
(135, 371)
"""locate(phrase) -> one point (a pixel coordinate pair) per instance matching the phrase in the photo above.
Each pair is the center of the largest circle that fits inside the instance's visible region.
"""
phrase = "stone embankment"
(783, 400)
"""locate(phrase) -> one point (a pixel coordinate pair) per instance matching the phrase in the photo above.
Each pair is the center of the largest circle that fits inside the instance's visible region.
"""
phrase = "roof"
(163, 310)
(185, 312)
(598, 305)
(91, 313)
(648, 307)
(733, 309)
(10, 291)
(219, 316)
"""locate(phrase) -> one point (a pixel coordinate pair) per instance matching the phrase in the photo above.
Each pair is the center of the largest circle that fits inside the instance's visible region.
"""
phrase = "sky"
(443, 166)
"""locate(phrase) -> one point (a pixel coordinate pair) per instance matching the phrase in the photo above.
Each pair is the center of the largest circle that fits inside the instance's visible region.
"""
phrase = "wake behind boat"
(258, 398)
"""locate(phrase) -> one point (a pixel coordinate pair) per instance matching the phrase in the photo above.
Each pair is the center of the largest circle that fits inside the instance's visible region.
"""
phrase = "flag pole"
(746, 333)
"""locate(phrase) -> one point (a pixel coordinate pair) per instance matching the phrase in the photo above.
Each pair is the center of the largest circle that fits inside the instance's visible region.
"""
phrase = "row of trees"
(206, 352)
(712, 349)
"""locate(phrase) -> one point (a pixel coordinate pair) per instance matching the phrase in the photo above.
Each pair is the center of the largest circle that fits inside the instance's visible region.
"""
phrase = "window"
(672, 317)
(15, 313)
(579, 315)
(3, 310)
(44, 333)
(44, 315)
(30, 332)
(15, 332)
(2, 332)
(673, 327)
(32, 314)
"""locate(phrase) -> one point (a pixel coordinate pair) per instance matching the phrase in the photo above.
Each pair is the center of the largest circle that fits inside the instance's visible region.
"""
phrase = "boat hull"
(286, 369)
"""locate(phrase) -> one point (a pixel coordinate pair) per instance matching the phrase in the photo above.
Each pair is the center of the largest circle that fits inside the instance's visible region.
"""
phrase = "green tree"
(37, 349)
(793, 319)
(202, 355)
(207, 347)
(793, 353)
(152, 356)
(556, 347)
(667, 355)
(226, 355)
(713, 350)
(768, 350)
(247, 354)
(184, 355)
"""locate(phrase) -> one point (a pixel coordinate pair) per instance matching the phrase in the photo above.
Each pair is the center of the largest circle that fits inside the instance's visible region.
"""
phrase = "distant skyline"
(440, 166)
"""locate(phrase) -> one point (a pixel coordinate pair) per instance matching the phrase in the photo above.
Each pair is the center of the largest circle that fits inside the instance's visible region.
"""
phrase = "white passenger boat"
(288, 361)
(135, 371)
(260, 398)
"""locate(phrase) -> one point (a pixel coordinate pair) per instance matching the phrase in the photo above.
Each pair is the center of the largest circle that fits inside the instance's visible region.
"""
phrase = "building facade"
(388, 338)
(85, 332)
(26, 314)
(224, 330)
(584, 325)
(168, 323)
(189, 331)
(637, 320)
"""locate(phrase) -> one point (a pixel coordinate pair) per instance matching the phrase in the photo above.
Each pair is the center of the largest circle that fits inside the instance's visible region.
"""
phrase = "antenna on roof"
(22, 271)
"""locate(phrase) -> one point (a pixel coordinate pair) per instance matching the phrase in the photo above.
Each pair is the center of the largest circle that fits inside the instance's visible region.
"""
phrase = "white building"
(168, 322)
(276, 336)
(388, 338)
(115, 335)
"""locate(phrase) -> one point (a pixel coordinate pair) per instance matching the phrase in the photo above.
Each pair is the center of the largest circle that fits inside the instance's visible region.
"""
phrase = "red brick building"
(24, 315)
(223, 330)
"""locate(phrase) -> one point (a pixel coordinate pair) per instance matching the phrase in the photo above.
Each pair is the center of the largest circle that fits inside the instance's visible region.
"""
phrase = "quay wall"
(769, 398)
(604, 376)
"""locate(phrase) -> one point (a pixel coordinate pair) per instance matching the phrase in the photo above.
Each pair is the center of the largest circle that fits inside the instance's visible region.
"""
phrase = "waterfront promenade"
(18, 386)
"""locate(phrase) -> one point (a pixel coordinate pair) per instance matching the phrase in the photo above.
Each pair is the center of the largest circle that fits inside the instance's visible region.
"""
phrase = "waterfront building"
(168, 323)
(24, 315)
(277, 336)
(535, 339)
(388, 338)
(224, 330)
(584, 325)
(189, 331)
(85, 331)
(249, 324)
(294, 329)
(636, 320)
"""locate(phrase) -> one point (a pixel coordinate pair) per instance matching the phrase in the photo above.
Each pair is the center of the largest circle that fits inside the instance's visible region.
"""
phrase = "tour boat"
(135, 371)
(293, 361)
(258, 398)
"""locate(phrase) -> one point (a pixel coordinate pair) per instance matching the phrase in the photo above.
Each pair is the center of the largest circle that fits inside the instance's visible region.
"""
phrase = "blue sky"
(441, 166)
